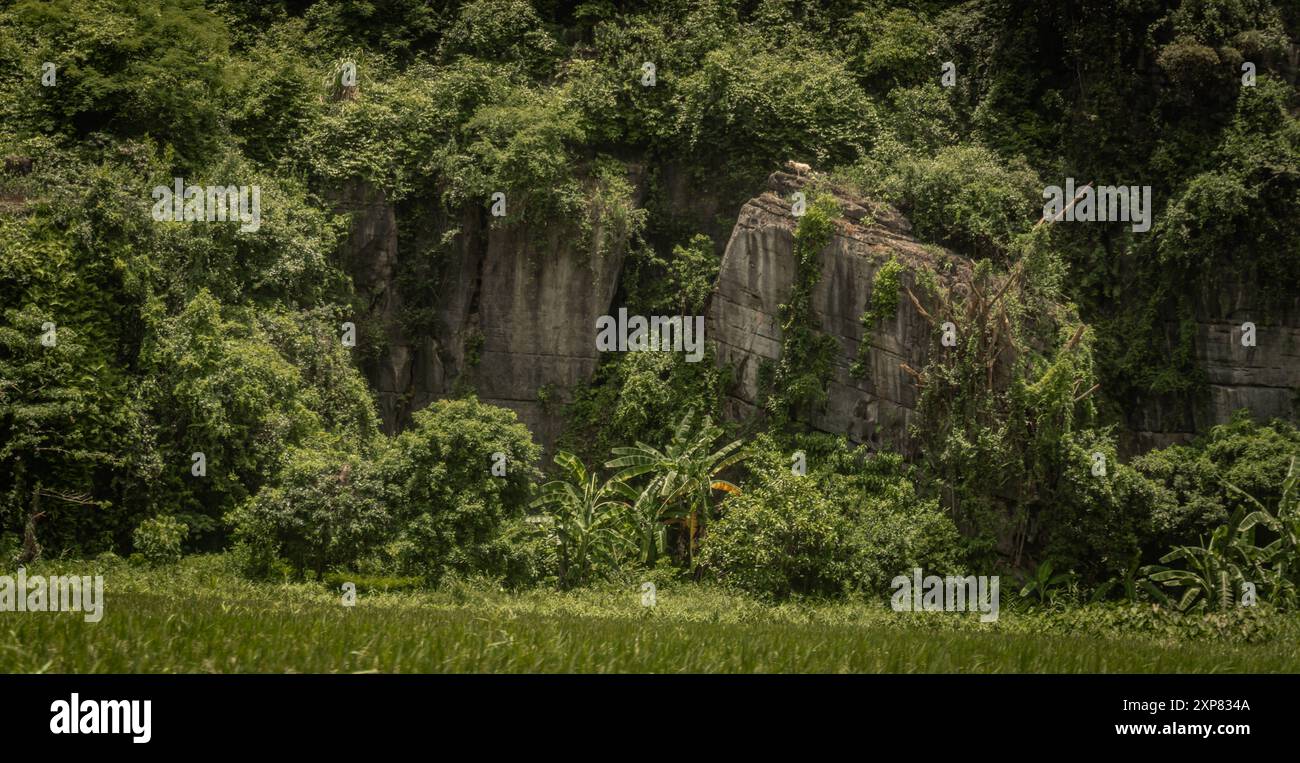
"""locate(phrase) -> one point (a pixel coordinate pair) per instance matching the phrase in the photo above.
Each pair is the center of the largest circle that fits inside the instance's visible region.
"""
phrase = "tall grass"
(197, 617)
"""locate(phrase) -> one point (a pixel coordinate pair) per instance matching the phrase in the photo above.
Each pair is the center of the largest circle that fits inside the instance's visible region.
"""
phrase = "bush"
(523, 555)
(759, 107)
(259, 559)
(134, 68)
(439, 482)
(1095, 525)
(782, 538)
(158, 540)
(892, 529)
(323, 510)
(852, 523)
(499, 30)
(638, 397)
(1190, 481)
(965, 197)
(371, 583)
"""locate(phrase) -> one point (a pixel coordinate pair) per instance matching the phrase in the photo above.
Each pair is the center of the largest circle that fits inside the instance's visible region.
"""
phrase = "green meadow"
(200, 617)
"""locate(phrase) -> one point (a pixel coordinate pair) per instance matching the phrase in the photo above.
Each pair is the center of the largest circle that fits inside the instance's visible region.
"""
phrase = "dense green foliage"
(158, 540)
(324, 509)
(849, 524)
(442, 489)
(134, 351)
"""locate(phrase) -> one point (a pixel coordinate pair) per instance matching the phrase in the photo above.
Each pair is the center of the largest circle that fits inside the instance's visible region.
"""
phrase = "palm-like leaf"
(589, 518)
(684, 475)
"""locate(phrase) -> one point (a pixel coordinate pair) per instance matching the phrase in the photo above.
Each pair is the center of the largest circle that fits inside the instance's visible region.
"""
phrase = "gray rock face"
(536, 308)
(515, 320)
(756, 275)
(515, 317)
(1265, 378)
(759, 267)
(403, 371)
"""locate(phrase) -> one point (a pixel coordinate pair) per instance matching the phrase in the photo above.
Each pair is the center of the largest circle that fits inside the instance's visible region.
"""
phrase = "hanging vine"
(797, 382)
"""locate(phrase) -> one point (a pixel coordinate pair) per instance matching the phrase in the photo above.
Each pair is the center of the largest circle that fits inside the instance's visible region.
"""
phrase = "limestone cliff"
(1264, 378)
(516, 311)
(757, 271)
(513, 317)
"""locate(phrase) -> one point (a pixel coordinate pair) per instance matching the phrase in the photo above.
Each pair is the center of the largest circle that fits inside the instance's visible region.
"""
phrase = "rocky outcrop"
(405, 372)
(535, 305)
(516, 309)
(513, 318)
(1264, 378)
(757, 272)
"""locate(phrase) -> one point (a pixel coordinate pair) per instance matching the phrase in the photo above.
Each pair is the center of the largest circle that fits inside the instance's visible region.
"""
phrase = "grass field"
(199, 617)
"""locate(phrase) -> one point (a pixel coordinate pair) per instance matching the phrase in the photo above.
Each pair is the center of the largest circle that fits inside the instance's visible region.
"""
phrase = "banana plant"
(1277, 564)
(646, 515)
(1212, 572)
(685, 475)
(588, 518)
(1043, 584)
(1130, 581)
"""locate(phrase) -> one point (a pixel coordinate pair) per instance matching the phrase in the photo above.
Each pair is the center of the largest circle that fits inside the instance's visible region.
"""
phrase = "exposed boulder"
(756, 275)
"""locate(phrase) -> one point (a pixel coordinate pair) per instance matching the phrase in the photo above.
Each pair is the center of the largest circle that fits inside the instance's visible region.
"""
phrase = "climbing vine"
(882, 304)
(797, 382)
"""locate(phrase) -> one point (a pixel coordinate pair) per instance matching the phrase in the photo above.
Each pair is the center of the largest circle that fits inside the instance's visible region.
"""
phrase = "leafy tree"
(224, 389)
(1201, 484)
(323, 509)
(639, 396)
(965, 197)
(135, 67)
(500, 30)
(890, 46)
(853, 520)
(60, 428)
(694, 272)
(748, 99)
(780, 539)
(158, 540)
(440, 486)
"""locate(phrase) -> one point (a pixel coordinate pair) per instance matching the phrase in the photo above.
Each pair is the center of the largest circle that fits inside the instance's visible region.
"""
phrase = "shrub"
(1190, 480)
(1095, 524)
(158, 540)
(759, 106)
(639, 397)
(523, 555)
(964, 197)
(135, 68)
(892, 529)
(258, 558)
(440, 486)
(780, 539)
(499, 30)
(853, 523)
(324, 509)
(371, 583)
